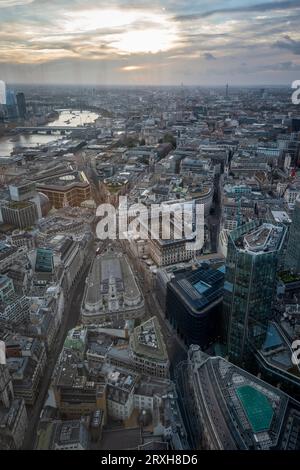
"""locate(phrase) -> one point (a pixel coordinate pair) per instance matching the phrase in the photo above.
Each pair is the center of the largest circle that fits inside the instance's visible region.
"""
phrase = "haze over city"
(150, 230)
(250, 42)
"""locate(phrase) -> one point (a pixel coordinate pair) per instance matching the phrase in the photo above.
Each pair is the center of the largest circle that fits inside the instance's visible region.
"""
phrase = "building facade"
(292, 260)
(254, 250)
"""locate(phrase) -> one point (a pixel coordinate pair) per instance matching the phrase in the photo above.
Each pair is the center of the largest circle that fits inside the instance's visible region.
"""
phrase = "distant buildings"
(2, 92)
(238, 157)
(11, 105)
(254, 250)
(21, 104)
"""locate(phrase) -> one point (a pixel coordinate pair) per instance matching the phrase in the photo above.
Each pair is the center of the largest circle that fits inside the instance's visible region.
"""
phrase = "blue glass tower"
(253, 253)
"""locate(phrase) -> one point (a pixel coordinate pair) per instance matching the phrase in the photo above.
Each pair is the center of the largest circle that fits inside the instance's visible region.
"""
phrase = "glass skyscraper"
(293, 251)
(253, 253)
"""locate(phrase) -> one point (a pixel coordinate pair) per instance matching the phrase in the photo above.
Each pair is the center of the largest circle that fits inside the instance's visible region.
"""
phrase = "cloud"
(14, 3)
(288, 44)
(209, 56)
(261, 7)
(59, 40)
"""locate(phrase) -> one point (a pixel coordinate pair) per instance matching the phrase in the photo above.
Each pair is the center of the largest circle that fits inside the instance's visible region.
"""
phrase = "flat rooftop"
(199, 287)
(257, 408)
(147, 339)
(64, 181)
(264, 238)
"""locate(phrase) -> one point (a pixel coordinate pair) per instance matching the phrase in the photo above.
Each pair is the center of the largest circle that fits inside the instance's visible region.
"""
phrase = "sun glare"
(151, 40)
(122, 29)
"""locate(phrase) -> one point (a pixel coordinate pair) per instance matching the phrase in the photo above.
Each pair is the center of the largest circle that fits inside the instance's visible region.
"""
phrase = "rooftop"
(111, 285)
(147, 340)
(199, 287)
(246, 412)
(258, 237)
(257, 407)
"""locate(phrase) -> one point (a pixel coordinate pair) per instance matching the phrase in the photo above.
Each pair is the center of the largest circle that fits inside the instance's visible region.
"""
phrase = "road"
(214, 220)
(70, 319)
(177, 351)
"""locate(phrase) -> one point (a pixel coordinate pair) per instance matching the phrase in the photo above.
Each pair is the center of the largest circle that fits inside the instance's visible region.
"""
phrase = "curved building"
(194, 304)
(230, 409)
(293, 252)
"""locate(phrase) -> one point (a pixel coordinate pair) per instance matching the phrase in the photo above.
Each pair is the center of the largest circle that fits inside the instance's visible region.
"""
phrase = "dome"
(45, 204)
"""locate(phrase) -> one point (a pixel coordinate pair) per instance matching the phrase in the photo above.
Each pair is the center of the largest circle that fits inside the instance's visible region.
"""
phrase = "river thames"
(67, 117)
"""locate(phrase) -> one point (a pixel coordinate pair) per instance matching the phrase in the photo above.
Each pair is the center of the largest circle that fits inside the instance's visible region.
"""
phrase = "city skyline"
(157, 43)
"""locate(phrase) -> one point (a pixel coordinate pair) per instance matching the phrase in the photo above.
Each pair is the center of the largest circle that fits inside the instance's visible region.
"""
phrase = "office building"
(26, 192)
(148, 350)
(11, 105)
(62, 435)
(75, 394)
(13, 415)
(44, 262)
(66, 190)
(292, 260)
(2, 92)
(120, 394)
(194, 304)
(14, 310)
(230, 409)
(21, 104)
(254, 251)
(6, 288)
(20, 214)
(111, 290)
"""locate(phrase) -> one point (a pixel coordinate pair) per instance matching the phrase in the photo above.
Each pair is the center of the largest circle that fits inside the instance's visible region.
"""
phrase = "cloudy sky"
(195, 42)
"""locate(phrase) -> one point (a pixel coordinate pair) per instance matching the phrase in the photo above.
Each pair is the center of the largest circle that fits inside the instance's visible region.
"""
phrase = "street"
(69, 320)
(177, 351)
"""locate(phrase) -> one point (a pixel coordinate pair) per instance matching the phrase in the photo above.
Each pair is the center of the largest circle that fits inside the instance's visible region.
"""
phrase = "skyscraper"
(253, 253)
(21, 103)
(2, 92)
(11, 104)
(292, 260)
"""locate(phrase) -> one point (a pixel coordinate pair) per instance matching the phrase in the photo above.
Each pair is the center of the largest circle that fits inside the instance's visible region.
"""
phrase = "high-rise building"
(292, 260)
(11, 104)
(21, 104)
(254, 250)
(194, 304)
(296, 124)
(2, 92)
(20, 214)
(6, 387)
(26, 191)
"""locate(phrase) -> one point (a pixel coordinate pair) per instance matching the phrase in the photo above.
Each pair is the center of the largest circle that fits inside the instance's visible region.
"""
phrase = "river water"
(68, 118)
